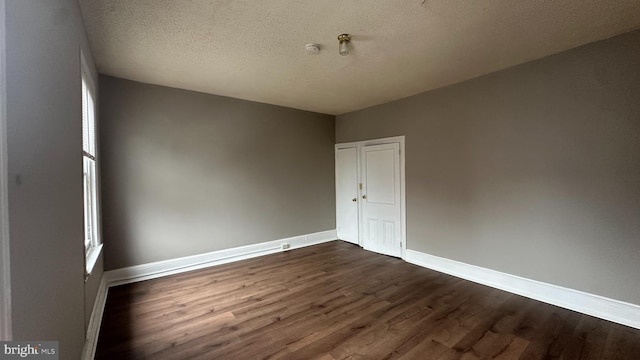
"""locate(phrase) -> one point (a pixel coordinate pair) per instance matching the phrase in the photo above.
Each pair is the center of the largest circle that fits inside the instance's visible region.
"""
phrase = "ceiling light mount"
(312, 48)
(343, 47)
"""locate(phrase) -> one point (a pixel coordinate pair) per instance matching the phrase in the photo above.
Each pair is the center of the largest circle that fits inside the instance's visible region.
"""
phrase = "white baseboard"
(609, 309)
(188, 263)
(91, 340)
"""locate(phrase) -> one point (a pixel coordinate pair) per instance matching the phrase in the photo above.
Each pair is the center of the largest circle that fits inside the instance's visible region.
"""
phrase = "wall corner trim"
(595, 305)
(6, 328)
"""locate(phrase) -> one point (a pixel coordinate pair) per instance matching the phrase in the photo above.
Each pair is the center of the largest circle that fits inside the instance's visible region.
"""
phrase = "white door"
(347, 194)
(381, 199)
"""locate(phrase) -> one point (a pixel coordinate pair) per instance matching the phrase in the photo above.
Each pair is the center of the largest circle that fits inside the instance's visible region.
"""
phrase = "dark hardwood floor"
(337, 301)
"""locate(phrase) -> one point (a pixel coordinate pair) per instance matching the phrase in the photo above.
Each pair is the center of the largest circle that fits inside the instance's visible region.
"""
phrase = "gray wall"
(44, 39)
(533, 171)
(186, 173)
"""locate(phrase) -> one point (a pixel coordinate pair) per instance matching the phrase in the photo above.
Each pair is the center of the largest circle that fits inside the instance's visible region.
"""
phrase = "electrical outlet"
(284, 246)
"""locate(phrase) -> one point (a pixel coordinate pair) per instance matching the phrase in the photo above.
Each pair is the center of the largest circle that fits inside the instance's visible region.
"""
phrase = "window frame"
(92, 239)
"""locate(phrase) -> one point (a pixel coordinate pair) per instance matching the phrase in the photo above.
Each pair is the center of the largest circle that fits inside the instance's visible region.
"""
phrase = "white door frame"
(5, 276)
(403, 196)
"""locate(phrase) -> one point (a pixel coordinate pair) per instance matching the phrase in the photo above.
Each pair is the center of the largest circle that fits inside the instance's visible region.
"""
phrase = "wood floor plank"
(336, 301)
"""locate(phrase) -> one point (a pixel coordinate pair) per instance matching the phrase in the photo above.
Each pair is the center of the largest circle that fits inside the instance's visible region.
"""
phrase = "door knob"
(364, 196)
(354, 199)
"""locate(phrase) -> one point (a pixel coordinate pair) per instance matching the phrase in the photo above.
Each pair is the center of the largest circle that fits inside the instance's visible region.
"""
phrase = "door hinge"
(360, 185)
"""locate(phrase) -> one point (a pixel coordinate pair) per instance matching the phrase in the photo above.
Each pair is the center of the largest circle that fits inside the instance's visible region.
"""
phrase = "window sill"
(91, 259)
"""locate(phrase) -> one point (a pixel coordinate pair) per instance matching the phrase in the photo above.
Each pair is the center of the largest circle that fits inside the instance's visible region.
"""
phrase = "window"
(92, 245)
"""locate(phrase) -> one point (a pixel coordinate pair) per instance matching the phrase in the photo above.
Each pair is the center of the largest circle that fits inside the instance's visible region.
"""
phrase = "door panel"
(381, 208)
(380, 177)
(346, 192)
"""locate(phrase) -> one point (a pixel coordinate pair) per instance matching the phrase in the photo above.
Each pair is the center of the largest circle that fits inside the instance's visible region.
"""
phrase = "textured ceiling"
(255, 50)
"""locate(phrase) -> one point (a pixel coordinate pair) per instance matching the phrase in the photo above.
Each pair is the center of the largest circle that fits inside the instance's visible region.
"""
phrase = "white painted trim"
(188, 263)
(91, 259)
(381, 141)
(92, 255)
(403, 198)
(6, 328)
(179, 265)
(93, 330)
(403, 195)
(595, 305)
